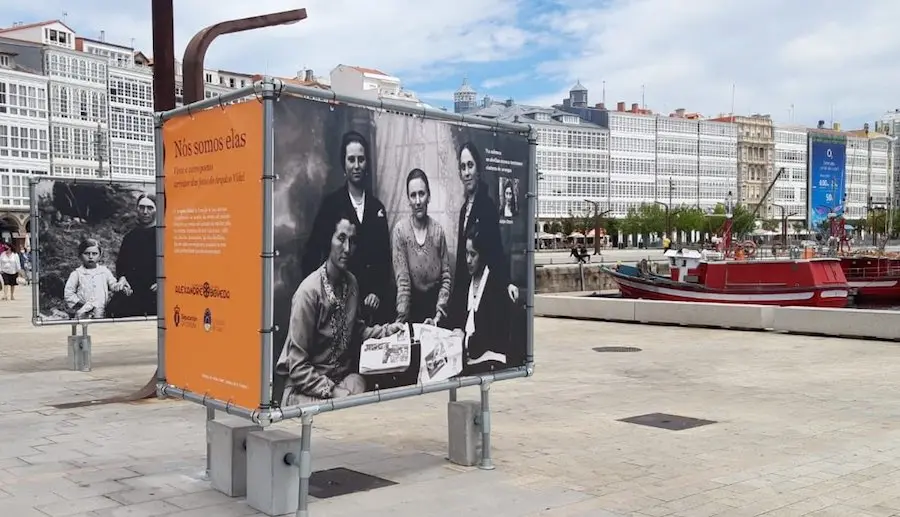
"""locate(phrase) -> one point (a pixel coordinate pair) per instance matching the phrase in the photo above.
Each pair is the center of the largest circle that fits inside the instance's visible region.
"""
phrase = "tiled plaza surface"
(805, 426)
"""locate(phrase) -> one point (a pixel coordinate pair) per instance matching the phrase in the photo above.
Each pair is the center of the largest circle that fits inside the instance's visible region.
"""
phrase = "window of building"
(27, 143)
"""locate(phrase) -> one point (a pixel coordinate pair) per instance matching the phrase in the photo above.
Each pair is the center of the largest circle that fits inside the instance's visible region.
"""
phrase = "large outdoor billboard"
(95, 252)
(400, 250)
(213, 247)
(827, 173)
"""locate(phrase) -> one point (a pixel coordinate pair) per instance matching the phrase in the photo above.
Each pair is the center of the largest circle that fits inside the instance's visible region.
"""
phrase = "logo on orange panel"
(207, 320)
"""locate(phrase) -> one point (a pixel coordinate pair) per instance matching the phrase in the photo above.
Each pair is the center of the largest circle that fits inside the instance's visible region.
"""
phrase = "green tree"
(632, 223)
(568, 225)
(689, 218)
(771, 225)
(556, 227)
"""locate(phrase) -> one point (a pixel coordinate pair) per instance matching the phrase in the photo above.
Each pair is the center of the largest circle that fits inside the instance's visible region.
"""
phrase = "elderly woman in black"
(136, 264)
(479, 213)
(371, 263)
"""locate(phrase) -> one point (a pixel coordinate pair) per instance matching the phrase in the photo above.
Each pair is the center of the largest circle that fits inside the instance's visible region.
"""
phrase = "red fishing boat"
(873, 277)
(695, 277)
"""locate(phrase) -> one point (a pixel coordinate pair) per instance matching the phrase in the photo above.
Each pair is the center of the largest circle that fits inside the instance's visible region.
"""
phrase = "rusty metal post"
(163, 55)
(195, 52)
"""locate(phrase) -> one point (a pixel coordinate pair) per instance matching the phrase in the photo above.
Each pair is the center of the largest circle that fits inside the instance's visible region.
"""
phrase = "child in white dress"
(88, 288)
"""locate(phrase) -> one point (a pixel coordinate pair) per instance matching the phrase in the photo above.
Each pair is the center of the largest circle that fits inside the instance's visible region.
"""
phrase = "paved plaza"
(804, 426)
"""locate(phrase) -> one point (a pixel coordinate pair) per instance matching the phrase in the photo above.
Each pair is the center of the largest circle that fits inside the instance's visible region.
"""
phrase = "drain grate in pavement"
(341, 481)
(616, 349)
(669, 422)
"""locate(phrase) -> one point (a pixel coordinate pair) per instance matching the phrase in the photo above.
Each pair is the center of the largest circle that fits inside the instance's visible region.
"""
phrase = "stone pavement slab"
(804, 426)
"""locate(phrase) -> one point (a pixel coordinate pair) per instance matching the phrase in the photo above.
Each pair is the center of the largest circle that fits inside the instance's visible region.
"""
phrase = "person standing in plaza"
(10, 266)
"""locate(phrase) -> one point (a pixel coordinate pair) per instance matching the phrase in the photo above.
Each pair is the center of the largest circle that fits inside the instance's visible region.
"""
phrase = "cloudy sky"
(819, 56)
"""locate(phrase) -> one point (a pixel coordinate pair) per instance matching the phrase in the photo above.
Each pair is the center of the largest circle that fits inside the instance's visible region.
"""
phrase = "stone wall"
(566, 279)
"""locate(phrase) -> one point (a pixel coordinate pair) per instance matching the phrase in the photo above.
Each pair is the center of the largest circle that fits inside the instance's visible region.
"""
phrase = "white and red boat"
(873, 277)
(695, 277)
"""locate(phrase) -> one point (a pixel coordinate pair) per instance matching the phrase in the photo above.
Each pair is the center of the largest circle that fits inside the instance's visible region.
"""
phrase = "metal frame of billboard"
(79, 345)
(268, 91)
(36, 319)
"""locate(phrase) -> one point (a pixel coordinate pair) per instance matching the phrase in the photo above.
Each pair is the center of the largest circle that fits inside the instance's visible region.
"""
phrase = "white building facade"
(130, 94)
(573, 165)
(369, 83)
(78, 101)
(789, 192)
(869, 168)
(24, 142)
(674, 160)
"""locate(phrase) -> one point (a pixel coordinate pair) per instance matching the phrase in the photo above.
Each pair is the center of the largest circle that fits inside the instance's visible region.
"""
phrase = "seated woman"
(485, 324)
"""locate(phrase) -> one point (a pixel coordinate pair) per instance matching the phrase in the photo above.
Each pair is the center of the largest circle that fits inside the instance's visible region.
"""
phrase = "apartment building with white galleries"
(78, 100)
(130, 91)
(24, 135)
(788, 196)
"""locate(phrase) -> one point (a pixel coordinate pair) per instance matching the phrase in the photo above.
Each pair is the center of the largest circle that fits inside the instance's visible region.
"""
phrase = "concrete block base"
(228, 455)
(464, 434)
(273, 486)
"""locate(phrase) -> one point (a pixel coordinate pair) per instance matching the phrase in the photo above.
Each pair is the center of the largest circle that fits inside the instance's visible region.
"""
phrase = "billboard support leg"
(305, 464)
(486, 462)
(79, 349)
(74, 340)
(210, 417)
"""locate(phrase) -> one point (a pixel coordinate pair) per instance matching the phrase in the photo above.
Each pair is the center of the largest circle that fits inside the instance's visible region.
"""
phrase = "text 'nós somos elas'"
(231, 141)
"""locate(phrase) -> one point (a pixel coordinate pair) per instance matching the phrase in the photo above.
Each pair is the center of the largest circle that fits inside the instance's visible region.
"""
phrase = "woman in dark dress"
(371, 263)
(485, 318)
(136, 264)
(479, 212)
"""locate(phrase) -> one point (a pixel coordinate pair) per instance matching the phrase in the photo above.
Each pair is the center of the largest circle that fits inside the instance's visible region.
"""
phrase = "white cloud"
(496, 82)
(813, 54)
(399, 36)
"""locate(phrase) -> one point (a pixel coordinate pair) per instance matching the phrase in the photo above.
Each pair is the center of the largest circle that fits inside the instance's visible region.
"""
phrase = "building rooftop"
(31, 25)
(510, 112)
(465, 87)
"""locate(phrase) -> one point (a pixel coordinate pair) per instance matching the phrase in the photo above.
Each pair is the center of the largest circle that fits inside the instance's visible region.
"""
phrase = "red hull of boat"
(805, 283)
(873, 278)
(827, 297)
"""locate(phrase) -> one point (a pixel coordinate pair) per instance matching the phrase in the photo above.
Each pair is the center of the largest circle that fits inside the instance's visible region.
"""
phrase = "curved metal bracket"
(195, 52)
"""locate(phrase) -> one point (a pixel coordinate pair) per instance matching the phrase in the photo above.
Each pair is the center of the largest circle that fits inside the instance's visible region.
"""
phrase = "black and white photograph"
(508, 202)
(385, 222)
(96, 253)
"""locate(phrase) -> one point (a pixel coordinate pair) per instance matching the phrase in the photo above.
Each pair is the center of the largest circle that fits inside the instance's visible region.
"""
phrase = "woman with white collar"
(485, 322)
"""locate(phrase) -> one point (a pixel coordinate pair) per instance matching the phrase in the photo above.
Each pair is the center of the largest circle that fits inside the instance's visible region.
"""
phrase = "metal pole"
(305, 465)
(268, 241)
(163, 55)
(195, 52)
(210, 416)
(486, 462)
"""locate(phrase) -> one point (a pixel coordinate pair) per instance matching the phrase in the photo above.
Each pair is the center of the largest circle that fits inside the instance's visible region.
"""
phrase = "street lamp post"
(597, 215)
(784, 220)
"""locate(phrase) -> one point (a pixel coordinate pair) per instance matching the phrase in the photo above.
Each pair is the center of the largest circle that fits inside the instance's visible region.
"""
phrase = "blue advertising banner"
(827, 173)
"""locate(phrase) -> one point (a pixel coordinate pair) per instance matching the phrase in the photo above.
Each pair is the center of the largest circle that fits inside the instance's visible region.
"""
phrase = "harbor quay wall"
(568, 278)
(847, 323)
